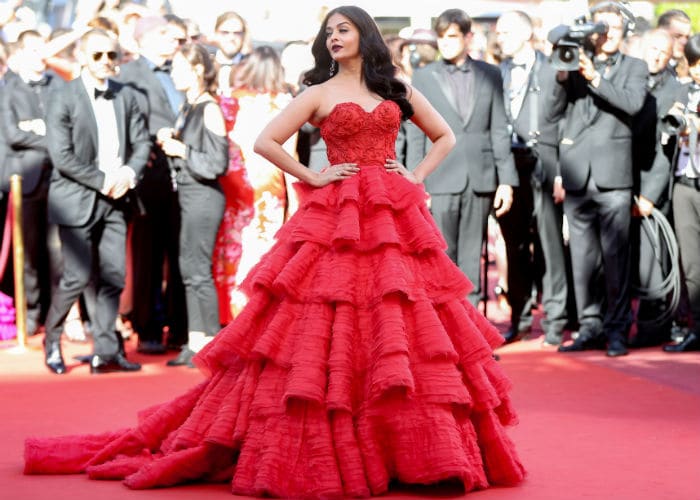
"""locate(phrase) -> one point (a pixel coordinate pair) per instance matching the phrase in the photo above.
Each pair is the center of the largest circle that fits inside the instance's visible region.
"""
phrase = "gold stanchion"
(18, 261)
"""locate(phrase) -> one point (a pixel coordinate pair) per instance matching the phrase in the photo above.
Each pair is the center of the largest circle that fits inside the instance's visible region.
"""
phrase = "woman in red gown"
(358, 359)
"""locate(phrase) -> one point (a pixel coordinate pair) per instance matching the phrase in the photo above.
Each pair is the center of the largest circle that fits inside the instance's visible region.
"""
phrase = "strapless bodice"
(354, 135)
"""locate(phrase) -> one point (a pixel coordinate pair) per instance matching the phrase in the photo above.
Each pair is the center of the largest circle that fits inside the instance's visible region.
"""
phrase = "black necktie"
(104, 94)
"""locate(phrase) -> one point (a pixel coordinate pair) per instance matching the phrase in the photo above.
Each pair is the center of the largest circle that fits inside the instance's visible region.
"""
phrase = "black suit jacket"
(481, 157)
(153, 99)
(76, 181)
(26, 153)
(597, 131)
(543, 106)
(652, 159)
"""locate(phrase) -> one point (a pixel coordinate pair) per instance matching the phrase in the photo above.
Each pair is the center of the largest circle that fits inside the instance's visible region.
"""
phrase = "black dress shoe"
(584, 343)
(183, 359)
(691, 342)
(616, 348)
(54, 358)
(511, 335)
(116, 363)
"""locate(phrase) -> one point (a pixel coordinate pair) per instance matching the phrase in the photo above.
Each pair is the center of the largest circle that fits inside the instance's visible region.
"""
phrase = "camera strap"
(535, 89)
(693, 148)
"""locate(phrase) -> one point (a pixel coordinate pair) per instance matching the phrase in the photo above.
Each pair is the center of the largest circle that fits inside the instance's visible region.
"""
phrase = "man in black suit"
(479, 173)
(95, 166)
(155, 231)
(595, 153)
(653, 151)
(686, 199)
(534, 104)
(22, 110)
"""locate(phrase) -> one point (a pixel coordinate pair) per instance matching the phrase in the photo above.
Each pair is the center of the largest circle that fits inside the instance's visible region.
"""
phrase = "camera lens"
(567, 55)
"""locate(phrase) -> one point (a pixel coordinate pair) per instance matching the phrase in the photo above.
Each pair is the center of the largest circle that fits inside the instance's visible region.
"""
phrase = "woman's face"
(342, 38)
(183, 74)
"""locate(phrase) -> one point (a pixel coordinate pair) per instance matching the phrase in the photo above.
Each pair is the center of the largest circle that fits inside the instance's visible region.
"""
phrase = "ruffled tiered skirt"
(356, 362)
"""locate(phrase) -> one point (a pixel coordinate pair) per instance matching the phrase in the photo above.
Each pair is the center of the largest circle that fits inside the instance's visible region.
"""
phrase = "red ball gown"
(357, 361)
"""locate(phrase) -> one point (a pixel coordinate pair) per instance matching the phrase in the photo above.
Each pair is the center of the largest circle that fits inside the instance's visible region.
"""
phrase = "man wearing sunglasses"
(99, 146)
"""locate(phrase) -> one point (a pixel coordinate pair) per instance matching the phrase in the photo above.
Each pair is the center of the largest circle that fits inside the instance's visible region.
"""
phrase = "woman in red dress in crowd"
(238, 213)
(358, 359)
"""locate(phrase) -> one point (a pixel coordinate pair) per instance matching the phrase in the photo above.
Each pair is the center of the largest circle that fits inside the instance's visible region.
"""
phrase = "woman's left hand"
(394, 166)
(173, 147)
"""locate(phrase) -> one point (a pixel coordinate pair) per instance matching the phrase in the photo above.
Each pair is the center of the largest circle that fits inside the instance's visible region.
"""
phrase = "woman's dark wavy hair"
(378, 69)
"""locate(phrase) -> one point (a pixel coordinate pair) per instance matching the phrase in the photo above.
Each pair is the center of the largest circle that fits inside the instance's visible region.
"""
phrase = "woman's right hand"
(335, 173)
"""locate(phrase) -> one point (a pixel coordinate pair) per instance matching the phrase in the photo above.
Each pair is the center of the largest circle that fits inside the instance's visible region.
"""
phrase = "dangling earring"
(330, 73)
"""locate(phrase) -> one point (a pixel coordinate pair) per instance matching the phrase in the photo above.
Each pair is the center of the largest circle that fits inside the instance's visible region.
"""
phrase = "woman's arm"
(269, 143)
(436, 128)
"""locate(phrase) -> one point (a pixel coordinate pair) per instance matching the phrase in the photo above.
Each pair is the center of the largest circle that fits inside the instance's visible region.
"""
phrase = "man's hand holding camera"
(587, 69)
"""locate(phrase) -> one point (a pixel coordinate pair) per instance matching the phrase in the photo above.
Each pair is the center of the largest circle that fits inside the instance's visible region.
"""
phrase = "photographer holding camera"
(534, 104)
(595, 149)
(686, 199)
(654, 142)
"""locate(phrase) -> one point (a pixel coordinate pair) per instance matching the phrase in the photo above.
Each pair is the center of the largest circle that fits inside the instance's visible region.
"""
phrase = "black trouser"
(201, 211)
(462, 218)
(154, 250)
(556, 283)
(599, 225)
(99, 245)
(42, 256)
(686, 212)
(517, 230)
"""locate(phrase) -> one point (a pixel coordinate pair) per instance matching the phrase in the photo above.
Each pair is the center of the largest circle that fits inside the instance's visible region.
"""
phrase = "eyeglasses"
(111, 55)
(181, 41)
(231, 33)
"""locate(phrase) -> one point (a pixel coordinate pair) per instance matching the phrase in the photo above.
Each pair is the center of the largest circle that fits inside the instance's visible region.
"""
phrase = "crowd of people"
(145, 205)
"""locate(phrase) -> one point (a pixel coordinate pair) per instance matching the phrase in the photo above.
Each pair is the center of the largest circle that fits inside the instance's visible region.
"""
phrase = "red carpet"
(591, 427)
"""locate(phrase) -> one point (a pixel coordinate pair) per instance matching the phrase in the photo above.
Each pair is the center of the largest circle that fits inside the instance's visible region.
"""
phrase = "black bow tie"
(603, 63)
(44, 80)
(451, 68)
(165, 68)
(105, 94)
(655, 79)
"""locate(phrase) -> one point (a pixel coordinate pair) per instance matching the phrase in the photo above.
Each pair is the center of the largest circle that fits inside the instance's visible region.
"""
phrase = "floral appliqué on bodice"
(354, 135)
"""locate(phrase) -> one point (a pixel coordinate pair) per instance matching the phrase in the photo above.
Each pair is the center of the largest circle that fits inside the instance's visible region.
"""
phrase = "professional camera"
(567, 40)
(675, 122)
